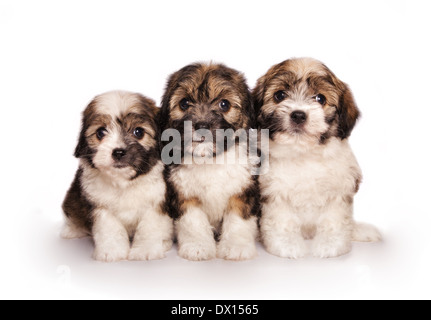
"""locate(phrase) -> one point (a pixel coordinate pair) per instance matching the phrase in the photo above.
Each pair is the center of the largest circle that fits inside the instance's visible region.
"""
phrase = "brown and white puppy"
(215, 206)
(313, 176)
(118, 192)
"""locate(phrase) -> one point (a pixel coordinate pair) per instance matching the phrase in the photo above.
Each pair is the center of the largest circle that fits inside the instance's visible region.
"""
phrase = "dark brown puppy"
(204, 197)
(118, 192)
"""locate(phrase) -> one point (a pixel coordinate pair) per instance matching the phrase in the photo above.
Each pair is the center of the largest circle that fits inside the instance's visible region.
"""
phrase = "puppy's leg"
(364, 232)
(239, 232)
(153, 237)
(110, 237)
(195, 234)
(71, 231)
(281, 230)
(334, 229)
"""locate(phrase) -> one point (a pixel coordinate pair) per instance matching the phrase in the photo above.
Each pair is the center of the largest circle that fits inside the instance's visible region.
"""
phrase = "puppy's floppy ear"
(164, 114)
(150, 108)
(149, 105)
(83, 150)
(348, 112)
(259, 95)
(251, 111)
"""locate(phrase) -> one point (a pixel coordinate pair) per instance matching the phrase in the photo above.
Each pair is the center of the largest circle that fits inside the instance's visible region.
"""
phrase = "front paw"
(148, 251)
(111, 254)
(331, 246)
(290, 248)
(234, 252)
(198, 251)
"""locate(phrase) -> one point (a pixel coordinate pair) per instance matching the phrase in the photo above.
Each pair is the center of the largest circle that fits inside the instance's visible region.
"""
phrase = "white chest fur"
(125, 199)
(309, 178)
(213, 185)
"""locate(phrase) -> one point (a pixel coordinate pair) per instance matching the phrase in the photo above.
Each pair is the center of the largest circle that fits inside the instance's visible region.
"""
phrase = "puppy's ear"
(258, 95)
(164, 114)
(149, 105)
(83, 150)
(348, 112)
(251, 109)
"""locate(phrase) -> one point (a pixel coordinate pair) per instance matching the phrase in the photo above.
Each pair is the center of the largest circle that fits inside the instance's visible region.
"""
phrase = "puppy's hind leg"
(71, 231)
(363, 232)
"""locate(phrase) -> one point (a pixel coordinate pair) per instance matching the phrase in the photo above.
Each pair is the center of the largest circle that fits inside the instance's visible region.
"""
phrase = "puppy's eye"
(321, 99)
(101, 133)
(139, 133)
(185, 104)
(280, 96)
(225, 105)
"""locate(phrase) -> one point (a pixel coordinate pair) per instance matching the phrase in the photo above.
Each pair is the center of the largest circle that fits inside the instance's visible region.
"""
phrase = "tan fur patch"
(190, 203)
(239, 206)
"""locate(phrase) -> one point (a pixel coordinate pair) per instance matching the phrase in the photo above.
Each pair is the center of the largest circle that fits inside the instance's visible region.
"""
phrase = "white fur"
(127, 208)
(238, 238)
(214, 185)
(195, 236)
(310, 186)
(116, 103)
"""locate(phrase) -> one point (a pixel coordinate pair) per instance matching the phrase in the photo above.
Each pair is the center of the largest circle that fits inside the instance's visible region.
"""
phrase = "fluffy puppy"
(215, 206)
(118, 192)
(313, 176)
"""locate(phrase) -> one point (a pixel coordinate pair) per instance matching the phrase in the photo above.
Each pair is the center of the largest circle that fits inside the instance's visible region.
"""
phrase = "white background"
(56, 55)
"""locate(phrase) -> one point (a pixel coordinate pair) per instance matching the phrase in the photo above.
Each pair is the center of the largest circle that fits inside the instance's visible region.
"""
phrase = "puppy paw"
(197, 251)
(71, 232)
(112, 254)
(363, 232)
(148, 251)
(330, 247)
(235, 252)
(294, 248)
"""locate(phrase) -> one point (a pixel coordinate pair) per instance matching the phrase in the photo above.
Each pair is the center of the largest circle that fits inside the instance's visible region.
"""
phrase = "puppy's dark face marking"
(210, 96)
(303, 99)
(120, 135)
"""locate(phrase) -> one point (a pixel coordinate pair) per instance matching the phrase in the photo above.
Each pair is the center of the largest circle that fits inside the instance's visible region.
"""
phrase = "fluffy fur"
(215, 206)
(118, 192)
(308, 192)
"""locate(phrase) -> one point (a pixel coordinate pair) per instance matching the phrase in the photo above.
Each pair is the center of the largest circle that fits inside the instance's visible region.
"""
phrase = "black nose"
(118, 154)
(298, 117)
(202, 125)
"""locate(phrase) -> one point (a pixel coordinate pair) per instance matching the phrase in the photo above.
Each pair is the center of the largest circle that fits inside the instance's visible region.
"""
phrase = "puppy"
(118, 192)
(215, 205)
(313, 176)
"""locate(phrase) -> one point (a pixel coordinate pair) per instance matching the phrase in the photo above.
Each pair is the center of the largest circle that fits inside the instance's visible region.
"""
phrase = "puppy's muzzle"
(202, 125)
(201, 128)
(298, 117)
(118, 154)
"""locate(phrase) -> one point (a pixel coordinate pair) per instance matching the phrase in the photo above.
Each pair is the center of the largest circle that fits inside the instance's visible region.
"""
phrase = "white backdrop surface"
(56, 55)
